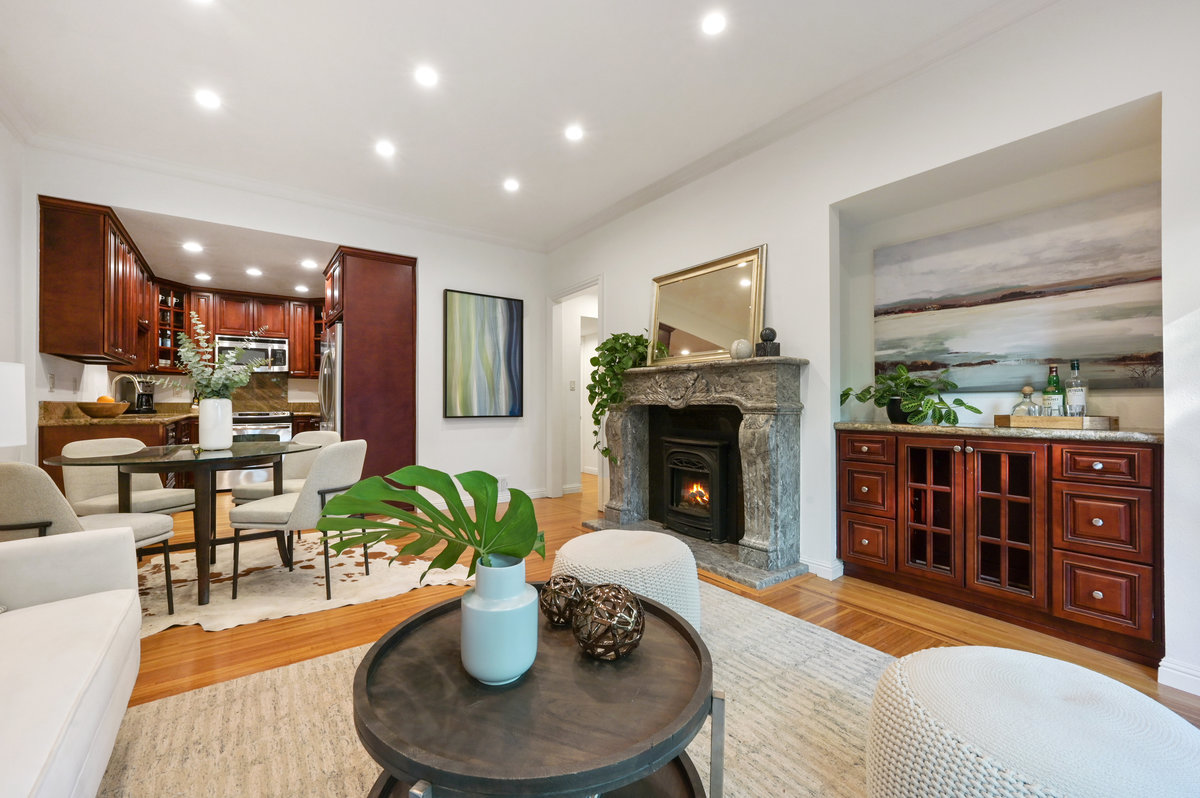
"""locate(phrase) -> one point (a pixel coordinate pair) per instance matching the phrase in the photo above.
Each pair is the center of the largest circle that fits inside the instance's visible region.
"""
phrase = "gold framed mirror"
(699, 312)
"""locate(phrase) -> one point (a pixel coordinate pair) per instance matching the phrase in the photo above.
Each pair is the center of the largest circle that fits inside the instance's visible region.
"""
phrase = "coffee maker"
(143, 393)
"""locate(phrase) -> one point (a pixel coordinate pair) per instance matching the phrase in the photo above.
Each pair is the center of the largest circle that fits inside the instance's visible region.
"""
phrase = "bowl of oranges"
(103, 407)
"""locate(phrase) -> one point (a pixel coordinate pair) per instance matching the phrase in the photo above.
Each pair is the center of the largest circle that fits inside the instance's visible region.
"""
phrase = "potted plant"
(614, 356)
(214, 379)
(911, 400)
(499, 614)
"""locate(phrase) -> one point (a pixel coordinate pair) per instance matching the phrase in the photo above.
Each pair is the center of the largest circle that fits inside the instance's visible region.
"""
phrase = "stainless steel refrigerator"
(329, 380)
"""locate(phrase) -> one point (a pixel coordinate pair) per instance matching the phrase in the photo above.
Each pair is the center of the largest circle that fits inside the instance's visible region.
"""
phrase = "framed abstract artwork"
(483, 360)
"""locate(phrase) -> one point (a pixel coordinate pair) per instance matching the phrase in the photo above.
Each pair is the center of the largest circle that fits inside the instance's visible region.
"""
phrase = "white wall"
(509, 447)
(10, 273)
(589, 460)
(1075, 58)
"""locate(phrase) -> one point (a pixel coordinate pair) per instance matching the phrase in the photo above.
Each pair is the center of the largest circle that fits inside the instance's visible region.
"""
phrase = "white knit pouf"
(980, 721)
(652, 564)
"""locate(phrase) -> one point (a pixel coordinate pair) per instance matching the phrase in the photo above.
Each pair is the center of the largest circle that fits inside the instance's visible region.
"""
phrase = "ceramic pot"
(216, 423)
(499, 622)
(895, 414)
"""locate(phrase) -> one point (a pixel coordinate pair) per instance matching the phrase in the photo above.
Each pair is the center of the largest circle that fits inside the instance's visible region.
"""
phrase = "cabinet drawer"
(868, 488)
(1113, 465)
(867, 540)
(867, 447)
(1104, 521)
(1107, 594)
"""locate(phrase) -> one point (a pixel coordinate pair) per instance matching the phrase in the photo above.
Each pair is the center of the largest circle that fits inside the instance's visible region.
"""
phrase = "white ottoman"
(980, 721)
(652, 564)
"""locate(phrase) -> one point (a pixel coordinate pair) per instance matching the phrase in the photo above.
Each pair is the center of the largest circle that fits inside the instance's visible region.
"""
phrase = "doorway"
(576, 329)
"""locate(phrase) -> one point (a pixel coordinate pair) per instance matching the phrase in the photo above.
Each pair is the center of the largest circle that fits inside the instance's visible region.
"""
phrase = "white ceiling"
(310, 85)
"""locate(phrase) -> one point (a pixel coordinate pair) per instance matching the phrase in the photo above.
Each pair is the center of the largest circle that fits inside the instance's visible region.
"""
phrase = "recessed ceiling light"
(192, 246)
(426, 75)
(254, 271)
(203, 277)
(203, 2)
(512, 184)
(713, 23)
(302, 289)
(208, 99)
(385, 148)
(573, 132)
(308, 263)
(745, 282)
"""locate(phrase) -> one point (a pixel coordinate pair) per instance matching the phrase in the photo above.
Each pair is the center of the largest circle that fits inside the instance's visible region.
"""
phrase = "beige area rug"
(797, 700)
(267, 589)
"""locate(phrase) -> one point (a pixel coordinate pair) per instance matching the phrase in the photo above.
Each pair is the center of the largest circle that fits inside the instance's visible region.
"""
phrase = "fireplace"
(695, 487)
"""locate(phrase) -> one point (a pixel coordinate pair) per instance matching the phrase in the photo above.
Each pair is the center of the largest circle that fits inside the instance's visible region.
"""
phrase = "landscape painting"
(998, 303)
(483, 359)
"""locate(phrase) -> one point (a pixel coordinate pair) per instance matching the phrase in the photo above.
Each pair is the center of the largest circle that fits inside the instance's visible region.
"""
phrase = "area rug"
(797, 698)
(267, 589)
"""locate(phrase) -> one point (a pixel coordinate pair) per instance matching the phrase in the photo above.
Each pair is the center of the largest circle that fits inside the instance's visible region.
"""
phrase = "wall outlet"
(50, 379)
(503, 483)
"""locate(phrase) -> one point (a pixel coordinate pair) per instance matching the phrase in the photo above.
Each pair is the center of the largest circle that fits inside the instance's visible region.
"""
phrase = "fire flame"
(695, 494)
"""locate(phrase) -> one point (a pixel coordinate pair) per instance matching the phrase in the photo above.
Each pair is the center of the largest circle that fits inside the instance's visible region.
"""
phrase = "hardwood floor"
(184, 658)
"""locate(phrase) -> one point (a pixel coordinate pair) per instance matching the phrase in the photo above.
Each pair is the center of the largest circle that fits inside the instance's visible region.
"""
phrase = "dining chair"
(295, 468)
(92, 490)
(335, 468)
(31, 502)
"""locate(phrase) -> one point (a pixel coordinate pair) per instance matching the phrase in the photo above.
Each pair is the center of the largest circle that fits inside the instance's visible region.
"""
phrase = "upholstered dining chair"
(295, 468)
(335, 468)
(30, 502)
(92, 490)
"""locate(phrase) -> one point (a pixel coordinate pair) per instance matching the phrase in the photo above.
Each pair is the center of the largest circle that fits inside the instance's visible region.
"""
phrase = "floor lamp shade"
(12, 404)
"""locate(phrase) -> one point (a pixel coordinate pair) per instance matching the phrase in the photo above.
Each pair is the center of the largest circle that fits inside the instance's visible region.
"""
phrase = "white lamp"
(12, 404)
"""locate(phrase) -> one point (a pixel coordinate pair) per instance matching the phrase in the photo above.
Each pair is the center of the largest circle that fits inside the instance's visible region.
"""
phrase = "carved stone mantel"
(767, 391)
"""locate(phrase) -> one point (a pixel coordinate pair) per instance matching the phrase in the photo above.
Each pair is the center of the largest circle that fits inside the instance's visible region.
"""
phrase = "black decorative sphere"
(768, 334)
(608, 622)
(559, 597)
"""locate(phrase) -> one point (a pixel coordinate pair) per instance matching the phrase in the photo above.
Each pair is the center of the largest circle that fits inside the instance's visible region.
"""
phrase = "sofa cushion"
(68, 667)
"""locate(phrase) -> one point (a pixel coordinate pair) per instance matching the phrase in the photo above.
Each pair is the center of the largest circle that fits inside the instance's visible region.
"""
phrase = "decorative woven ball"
(559, 597)
(608, 621)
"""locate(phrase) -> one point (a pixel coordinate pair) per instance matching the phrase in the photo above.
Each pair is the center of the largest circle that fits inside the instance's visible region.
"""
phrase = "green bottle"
(1053, 395)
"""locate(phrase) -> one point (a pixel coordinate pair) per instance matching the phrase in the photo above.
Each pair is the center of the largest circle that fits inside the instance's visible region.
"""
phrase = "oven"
(277, 424)
(273, 352)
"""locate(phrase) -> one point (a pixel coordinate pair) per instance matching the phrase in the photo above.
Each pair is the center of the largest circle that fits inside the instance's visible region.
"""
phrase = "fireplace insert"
(695, 484)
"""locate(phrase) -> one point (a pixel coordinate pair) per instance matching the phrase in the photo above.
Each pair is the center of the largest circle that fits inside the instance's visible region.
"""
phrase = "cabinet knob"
(1097, 466)
(970, 449)
(864, 489)
(864, 542)
(866, 449)
(957, 448)
(1097, 522)
(1096, 594)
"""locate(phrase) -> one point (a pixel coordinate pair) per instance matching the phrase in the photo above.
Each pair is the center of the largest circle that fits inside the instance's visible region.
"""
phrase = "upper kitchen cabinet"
(245, 314)
(305, 319)
(333, 289)
(94, 302)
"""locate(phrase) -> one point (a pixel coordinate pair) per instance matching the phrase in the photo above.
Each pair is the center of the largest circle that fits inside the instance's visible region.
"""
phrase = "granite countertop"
(123, 420)
(1095, 435)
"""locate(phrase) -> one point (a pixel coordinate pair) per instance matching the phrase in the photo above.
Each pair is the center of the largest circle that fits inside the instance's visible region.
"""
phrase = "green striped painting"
(483, 363)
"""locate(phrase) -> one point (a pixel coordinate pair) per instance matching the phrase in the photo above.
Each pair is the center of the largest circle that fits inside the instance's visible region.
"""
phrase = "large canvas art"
(996, 304)
(483, 363)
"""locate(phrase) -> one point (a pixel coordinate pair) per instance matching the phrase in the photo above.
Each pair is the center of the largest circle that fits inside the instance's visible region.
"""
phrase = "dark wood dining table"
(203, 465)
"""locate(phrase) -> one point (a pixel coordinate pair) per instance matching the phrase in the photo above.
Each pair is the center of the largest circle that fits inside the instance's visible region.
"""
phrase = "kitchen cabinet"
(52, 438)
(202, 304)
(170, 319)
(333, 289)
(305, 423)
(1057, 535)
(93, 303)
(246, 314)
(300, 342)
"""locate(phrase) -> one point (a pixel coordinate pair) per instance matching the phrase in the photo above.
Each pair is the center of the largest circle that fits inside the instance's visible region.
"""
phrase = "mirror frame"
(754, 319)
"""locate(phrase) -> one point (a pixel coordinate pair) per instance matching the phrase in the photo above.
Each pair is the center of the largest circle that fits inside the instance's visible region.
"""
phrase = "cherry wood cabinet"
(306, 323)
(333, 289)
(52, 439)
(1061, 536)
(202, 304)
(245, 314)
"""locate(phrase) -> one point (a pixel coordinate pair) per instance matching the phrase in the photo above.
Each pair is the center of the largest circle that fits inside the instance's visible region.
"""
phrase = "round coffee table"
(571, 726)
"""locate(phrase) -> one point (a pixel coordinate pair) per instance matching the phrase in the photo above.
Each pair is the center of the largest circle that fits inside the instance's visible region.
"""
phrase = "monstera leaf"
(515, 534)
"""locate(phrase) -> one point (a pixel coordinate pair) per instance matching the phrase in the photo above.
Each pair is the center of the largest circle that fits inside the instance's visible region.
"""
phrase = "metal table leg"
(716, 764)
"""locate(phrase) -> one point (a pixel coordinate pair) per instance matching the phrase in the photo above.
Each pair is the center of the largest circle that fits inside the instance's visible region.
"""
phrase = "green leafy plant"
(213, 376)
(515, 534)
(920, 397)
(614, 356)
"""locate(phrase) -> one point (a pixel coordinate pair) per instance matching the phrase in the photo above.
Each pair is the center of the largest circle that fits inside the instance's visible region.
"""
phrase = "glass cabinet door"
(931, 508)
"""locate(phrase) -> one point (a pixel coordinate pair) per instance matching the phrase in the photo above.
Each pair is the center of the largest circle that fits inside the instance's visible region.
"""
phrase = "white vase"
(216, 423)
(499, 622)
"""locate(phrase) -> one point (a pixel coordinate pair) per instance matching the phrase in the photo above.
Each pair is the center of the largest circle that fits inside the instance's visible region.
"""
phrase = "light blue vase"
(499, 622)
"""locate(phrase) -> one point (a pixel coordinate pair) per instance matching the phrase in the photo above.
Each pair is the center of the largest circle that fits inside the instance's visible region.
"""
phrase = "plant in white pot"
(214, 379)
(499, 614)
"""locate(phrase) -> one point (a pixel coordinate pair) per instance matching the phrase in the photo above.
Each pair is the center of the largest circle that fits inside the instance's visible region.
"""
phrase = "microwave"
(273, 352)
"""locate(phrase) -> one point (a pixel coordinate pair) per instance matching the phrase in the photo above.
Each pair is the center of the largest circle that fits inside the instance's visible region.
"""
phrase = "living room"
(1048, 65)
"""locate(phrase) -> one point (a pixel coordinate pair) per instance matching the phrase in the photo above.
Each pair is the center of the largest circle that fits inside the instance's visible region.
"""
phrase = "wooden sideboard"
(1058, 534)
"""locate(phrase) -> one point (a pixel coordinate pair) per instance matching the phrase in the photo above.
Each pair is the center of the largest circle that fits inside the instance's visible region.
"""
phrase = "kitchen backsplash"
(265, 391)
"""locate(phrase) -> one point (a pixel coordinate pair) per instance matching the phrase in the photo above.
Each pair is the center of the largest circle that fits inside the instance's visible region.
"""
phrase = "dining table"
(203, 464)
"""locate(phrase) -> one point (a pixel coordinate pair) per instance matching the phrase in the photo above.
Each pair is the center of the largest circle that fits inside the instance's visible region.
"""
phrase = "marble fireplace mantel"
(767, 391)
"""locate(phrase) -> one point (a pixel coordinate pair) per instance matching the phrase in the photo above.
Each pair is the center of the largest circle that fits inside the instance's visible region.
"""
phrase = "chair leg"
(291, 546)
(328, 586)
(366, 561)
(212, 513)
(237, 543)
(285, 551)
(170, 587)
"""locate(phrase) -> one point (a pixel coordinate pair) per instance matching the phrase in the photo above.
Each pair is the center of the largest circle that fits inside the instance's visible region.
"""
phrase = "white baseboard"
(825, 570)
(591, 470)
(1180, 675)
(576, 488)
(501, 498)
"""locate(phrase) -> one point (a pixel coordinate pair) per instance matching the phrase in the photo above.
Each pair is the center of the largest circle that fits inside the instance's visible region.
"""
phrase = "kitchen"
(118, 286)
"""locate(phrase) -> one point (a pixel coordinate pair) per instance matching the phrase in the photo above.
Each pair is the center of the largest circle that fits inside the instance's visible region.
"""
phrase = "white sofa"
(69, 656)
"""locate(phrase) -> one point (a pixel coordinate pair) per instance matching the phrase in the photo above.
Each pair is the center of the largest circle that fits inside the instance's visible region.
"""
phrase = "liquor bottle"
(1027, 407)
(1053, 395)
(1076, 392)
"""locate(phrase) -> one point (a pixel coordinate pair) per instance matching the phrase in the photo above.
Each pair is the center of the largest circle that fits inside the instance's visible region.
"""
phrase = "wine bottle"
(1053, 395)
(1076, 392)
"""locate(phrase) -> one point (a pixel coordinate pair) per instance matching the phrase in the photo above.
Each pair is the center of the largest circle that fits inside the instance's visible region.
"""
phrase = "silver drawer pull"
(1096, 594)
(866, 449)
(957, 448)
(1097, 466)
(865, 542)
(1097, 522)
(970, 449)
(864, 489)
